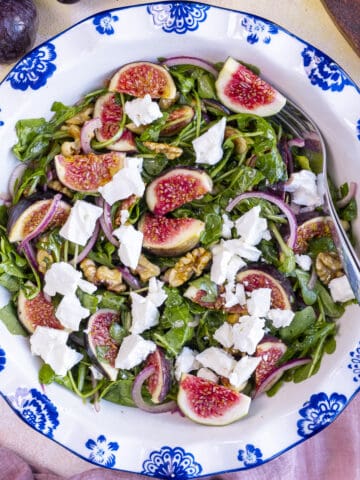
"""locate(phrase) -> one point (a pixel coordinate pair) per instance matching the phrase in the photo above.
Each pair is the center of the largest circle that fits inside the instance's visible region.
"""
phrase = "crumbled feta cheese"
(208, 147)
(240, 293)
(226, 226)
(224, 335)
(144, 313)
(238, 247)
(50, 345)
(156, 293)
(80, 224)
(247, 333)
(303, 187)
(220, 262)
(142, 111)
(134, 162)
(86, 286)
(130, 245)
(207, 374)
(186, 362)
(217, 360)
(233, 267)
(96, 373)
(280, 318)
(340, 289)
(133, 350)
(124, 216)
(251, 227)
(304, 261)
(61, 278)
(243, 370)
(259, 302)
(230, 296)
(127, 181)
(70, 312)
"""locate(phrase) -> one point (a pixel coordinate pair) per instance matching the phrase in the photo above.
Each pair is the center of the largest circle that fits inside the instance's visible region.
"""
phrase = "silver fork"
(301, 125)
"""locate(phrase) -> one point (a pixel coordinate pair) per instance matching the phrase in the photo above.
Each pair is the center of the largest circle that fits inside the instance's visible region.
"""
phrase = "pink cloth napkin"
(333, 454)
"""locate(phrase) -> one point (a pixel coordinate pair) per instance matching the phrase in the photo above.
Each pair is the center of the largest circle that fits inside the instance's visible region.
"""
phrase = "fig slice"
(37, 311)
(242, 91)
(110, 113)
(159, 382)
(141, 78)
(86, 173)
(175, 188)
(177, 120)
(27, 215)
(101, 346)
(170, 236)
(208, 403)
(313, 228)
(270, 349)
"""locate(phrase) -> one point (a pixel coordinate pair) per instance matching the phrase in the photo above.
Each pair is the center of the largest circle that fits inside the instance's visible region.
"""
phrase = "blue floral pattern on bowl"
(258, 30)
(102, 451)
(1, 122)
(171, 463)
(34, 70)
(2, 359)
(178, 17)
(319, 412)
(251, 456)
(355, 363)
(104, 23)
(322, 71)
(358, 129)
(36, 409)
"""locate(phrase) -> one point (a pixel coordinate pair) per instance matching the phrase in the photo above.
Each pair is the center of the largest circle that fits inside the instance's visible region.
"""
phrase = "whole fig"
(18, 27)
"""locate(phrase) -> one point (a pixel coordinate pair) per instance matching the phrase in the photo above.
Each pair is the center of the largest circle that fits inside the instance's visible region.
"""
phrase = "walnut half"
(111, 278)
(328, 266)
(193, 263)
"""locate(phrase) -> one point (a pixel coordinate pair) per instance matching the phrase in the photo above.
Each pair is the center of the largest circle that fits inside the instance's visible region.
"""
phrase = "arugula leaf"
(176, 309)
(300, 323)
(120, 392)
(326, 303)
(46, 374)
(111, 300)
(309, 296)
(8, 316)
(174, 339)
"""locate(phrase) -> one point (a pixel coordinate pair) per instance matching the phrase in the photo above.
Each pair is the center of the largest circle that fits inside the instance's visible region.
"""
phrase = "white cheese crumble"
(217, 360)
(70, 312)
(251, 227)
(186, 362)
(127, 181)
(243, 370)
(224, 335)
(304, 189)
(227, 226)
(340, 289)
(63, 278)
(247, 333)
(130, 245)
(80, 224)
(124, 216)
(50, 345)
(142, 111)
(208, 147)
(238, 247)
(133, 350)
(259, 302)
(156, 293)
(304, 261)
(280, 318)
(220, 262)
(207, 374)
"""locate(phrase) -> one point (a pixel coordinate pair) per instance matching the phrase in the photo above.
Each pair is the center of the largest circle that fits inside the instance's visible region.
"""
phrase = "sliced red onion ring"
(105, 221)
(197, 62)
(92, 240)
(45, 221)
(30, 253)
(16, 174)
(88, 133)
(137, 396)
(296, 142)
(350, 195)
(291, 241)
(276, 374)
(129, 278)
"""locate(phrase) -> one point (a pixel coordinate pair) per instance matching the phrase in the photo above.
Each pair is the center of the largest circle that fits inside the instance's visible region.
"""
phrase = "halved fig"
(141, 78)
(27, 214)
(37, 312)
(110, 113)
(86, 173)
(270, 349)
(102, 347)
(177, 120)
(175, 188)
(264, 276)
(313, 228)
(241, 90)
(208, 403)
(159, 382)
(169, 237)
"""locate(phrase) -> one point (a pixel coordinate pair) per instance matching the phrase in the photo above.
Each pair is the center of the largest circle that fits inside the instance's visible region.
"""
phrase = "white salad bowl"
(78, 61)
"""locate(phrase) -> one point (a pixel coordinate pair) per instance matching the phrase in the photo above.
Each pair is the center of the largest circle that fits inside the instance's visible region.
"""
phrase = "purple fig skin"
(159, 383)
(18, 27)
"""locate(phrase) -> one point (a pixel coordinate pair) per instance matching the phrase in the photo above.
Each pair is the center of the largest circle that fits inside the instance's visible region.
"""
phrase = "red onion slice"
(350, 195)
(129, 278)
(197, 62)
(88, 133)
(276, 374)
(137, 396)
(92, 240)
(296, 142)
(16, 174)
(30, 253)
(291, 241)
(105, 221)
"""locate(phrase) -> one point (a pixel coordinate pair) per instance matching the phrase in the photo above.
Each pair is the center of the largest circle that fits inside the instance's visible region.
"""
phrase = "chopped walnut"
(81, 117)
(193, 263)
(233, 318)
(71, 148)
(59, 187)
(44, 260)
(111, 278)
(328, 266)
(145, 269)
(240, 143)
(169, 151)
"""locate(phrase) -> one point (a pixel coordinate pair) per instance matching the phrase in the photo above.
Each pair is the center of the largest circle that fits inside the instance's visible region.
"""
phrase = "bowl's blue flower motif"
(322, 71)
(355, 363)
(104, 23)
(251, 456)
(319, 412)
(2, 359)
(358, 129)
(258, 30)
(178, 17)
(101, 451)
(171, 463)
(36, 409)
(1, 122)
(34, 69)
